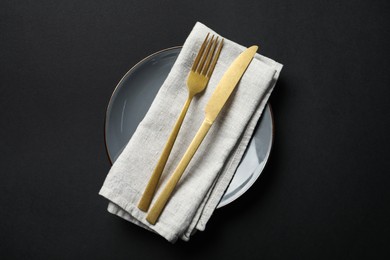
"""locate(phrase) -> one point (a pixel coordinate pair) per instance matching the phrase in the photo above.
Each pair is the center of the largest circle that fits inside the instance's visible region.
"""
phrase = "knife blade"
(228, 83)
(215, 104)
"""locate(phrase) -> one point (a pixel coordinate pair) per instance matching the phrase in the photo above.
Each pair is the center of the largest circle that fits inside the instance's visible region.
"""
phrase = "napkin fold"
(210, 171)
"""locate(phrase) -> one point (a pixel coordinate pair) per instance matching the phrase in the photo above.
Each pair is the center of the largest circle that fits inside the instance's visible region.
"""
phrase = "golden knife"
(215, 104)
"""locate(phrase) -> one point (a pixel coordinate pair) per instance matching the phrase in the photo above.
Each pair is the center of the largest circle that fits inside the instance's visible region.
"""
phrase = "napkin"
(211, 169)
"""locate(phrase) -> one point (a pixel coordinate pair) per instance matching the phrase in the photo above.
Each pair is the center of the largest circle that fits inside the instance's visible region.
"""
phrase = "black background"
(325, 191)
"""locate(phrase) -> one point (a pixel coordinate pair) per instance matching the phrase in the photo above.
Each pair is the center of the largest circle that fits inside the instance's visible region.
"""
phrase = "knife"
(215, 104)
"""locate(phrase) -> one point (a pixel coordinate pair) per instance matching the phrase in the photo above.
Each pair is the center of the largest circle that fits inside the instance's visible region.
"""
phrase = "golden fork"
(198, 78)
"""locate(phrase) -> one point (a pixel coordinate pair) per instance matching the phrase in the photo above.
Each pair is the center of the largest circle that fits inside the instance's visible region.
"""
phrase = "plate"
(132, 98)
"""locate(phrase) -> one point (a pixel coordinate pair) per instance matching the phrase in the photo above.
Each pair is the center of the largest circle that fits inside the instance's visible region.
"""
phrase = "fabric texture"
(211, 169)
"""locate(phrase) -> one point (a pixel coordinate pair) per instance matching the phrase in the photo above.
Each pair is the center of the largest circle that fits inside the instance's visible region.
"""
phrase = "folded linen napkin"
(212, 168)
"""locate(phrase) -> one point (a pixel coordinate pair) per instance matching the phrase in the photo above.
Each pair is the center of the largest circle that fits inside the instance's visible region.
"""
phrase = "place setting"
(188, 130)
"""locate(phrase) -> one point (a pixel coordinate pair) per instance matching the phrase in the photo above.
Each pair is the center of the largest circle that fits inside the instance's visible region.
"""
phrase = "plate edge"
(115, 90)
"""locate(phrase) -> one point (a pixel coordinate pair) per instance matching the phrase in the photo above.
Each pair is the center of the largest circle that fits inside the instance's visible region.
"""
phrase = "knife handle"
(150, 189)
(162, 200)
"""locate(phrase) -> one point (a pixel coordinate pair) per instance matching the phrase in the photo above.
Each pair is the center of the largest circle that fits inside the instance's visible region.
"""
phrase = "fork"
(199, 76)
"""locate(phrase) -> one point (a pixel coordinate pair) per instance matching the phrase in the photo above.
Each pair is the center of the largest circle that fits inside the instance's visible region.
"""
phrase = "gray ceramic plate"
(132, 98)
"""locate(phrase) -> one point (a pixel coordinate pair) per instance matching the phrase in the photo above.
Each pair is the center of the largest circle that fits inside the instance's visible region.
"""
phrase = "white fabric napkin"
(212, 168)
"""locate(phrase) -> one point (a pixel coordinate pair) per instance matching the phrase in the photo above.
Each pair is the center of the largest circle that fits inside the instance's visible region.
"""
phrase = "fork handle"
(150, 189)
(161, 201)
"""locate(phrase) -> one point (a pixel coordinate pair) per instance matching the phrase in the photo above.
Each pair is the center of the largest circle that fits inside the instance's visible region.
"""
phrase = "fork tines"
(207, 56)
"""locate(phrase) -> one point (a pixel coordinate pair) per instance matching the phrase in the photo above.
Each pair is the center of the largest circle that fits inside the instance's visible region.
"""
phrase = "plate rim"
(173, 48)
(116, 88)
(247, 187)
